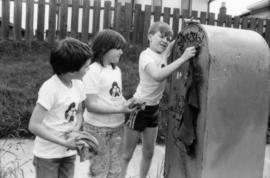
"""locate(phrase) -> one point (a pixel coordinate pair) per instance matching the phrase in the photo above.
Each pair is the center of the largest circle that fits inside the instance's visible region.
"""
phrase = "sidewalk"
(21, 151)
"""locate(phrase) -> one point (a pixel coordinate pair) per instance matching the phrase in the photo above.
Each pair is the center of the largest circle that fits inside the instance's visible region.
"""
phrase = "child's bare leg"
(130, 140)
(149, 136)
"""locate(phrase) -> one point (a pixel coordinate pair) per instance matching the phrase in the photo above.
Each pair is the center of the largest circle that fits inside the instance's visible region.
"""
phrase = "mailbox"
(226, 133)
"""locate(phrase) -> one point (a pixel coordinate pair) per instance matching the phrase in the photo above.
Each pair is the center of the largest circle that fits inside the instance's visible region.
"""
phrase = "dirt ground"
(18, 153)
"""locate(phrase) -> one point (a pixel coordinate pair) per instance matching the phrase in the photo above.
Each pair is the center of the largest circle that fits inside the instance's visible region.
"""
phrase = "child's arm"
(39, 129)
(159, 74)
(79, 117)
(93, 106)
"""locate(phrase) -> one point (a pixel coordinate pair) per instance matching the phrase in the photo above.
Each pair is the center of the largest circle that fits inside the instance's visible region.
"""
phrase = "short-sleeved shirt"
(62, 104)
(149, 90)
(106, 83)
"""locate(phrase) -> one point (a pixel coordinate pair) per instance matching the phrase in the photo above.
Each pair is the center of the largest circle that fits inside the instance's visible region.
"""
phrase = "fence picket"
(244, 23)
(157, 13)
(211, 19)
(96, 17)
(228, 22)
(167, 13)
(74, 19)
(267, 32)
(128, 20)
(29, 21)
(107, 15)
(260, 26)
(137, 14)
(236, 21)
(221, 19)
(203, 17)
(5, 19)
(175, 25)
(146, 23)
(117, 16)
(18, 20)
(52, 26)
(252, 24)
(63, 19)
(85, 20)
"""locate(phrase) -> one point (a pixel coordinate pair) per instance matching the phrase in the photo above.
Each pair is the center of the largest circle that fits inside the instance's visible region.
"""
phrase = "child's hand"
(126, 106)
(72, 140)
(168, 51)
(138, 105)
(189, 53)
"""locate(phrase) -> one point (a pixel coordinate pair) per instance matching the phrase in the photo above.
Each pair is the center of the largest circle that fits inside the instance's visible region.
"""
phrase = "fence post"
(41, 17)
(5, 19)
(17, 20)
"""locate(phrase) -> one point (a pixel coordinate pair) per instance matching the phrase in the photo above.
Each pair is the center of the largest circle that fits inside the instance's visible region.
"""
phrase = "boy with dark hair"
(58, 110)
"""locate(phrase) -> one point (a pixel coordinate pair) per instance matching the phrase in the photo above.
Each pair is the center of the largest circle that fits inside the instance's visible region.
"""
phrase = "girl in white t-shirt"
(58, 110)
(105, 104)
(153, 71)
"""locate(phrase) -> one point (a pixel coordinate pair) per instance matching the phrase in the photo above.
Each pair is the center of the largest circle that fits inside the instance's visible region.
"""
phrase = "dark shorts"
(54, 168)
(139, 120)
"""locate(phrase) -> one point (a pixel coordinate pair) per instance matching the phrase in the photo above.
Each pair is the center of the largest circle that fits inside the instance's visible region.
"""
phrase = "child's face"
(79, 74)
(112, 56)
(158, 42)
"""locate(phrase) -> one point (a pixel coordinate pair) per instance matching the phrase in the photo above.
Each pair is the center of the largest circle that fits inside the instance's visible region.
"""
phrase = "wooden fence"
(131, 21)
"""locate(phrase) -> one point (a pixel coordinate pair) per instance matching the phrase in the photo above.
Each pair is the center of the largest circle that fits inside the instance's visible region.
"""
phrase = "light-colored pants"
(107, 164)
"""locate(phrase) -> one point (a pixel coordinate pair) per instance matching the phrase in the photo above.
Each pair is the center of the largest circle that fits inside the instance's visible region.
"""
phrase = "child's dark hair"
(69, 55)
(161, 27)
(104, 41)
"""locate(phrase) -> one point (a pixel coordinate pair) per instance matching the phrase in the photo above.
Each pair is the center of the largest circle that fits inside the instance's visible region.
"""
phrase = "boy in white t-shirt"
(58, 110)
(153, 71)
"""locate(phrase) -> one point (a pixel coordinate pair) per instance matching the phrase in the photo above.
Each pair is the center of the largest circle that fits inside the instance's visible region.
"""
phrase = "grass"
(24, 69)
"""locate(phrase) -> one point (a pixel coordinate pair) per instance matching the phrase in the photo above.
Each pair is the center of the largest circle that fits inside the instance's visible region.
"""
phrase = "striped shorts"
(139, 120)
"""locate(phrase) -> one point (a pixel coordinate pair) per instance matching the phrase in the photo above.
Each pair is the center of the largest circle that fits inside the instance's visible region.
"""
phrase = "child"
(58, 110)
(153, 70)
(105, 103)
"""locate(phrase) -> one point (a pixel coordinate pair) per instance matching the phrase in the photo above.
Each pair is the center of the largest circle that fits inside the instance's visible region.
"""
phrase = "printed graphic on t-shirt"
(115, 90)
(70, 113)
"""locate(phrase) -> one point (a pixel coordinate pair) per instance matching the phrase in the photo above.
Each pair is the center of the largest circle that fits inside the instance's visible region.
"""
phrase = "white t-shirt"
(62, 104)
(149, 90)
(105, 82)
